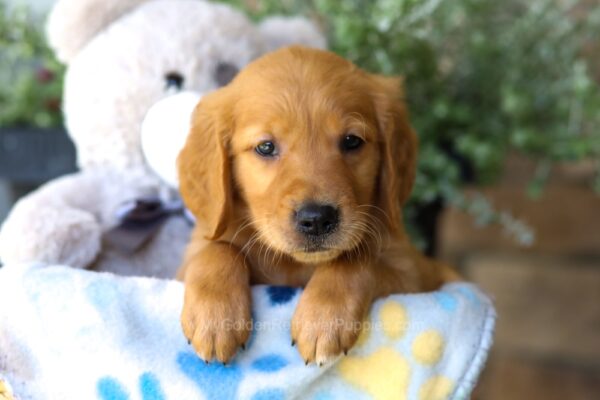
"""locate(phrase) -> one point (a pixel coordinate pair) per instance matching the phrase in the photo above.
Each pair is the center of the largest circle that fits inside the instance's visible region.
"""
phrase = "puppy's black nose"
(314, 219)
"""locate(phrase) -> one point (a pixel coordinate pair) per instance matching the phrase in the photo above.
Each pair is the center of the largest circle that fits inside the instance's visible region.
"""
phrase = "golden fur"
(305, 101)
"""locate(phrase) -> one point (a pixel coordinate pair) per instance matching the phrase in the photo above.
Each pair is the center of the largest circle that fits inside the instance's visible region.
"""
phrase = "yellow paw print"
(436, 388)
(394, 320)
(384, 374)
(428, 347)
(5, 392)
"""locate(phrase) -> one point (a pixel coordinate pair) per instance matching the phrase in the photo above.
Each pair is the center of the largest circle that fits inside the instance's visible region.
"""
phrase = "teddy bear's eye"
(225, 72)
(174, 80)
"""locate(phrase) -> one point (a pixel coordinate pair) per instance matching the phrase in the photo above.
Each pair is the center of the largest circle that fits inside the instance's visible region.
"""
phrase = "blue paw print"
(470, 294)
(447, 301)
(269, 363)
(109, 388)
(269, 394)
(281, 294)
(219, 382)
(214, 379)
(323, 396)
(102, 293)
(150, 387)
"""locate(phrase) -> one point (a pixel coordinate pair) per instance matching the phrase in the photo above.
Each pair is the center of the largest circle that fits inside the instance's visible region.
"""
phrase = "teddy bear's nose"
(174, 80)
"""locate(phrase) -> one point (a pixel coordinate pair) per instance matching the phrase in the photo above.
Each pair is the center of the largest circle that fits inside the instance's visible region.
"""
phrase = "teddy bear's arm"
(55, 224)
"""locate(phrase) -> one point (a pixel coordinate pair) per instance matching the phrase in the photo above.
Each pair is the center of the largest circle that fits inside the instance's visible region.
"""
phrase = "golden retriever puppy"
(296, 172)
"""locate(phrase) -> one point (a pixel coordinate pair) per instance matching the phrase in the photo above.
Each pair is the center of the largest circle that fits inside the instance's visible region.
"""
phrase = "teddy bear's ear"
(285, 31)
(72, 23)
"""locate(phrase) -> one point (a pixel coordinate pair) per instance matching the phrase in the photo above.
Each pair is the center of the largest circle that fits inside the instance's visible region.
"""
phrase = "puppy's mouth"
(317, 248)
(316, 255)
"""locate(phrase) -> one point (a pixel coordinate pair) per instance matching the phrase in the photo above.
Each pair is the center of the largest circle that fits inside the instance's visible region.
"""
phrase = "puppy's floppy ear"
(204, 166)
(398, 148)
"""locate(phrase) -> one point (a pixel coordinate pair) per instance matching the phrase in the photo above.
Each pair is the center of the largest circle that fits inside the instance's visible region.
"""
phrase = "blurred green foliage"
(482, 77)
(30, 76)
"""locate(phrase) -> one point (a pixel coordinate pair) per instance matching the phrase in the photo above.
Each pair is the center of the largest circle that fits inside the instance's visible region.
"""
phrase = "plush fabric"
(75, 334)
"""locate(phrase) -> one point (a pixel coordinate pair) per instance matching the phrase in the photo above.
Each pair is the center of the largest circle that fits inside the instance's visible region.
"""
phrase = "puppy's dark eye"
(174, 80)
(351, 142)
(266, 149)
(225, 72)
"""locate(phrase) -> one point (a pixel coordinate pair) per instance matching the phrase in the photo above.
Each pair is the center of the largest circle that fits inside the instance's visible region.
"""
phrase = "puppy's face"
(317, 150)
(306, 159)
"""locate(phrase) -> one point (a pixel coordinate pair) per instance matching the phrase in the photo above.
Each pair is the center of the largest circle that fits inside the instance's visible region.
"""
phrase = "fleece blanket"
(73, 334)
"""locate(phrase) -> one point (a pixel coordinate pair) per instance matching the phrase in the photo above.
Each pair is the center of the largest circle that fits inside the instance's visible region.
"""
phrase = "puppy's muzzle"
(315, 220)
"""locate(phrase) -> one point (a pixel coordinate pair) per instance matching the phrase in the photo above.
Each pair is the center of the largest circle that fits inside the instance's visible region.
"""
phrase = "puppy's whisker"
(251, 242)
(371, 218)
(365, 227)
(378, 209)
(264, 249)
(374, 228)
(356, 240)
(246, 222)
(374, 234)
(275, 257)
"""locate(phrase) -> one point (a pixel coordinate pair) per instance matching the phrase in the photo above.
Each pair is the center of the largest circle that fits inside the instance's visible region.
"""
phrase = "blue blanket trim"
(471, 377)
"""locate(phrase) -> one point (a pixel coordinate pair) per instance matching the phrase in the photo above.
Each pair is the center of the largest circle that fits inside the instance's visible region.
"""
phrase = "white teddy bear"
(124, 56)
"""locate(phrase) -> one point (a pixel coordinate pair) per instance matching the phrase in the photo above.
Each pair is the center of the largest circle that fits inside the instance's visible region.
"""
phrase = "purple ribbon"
(140, 219)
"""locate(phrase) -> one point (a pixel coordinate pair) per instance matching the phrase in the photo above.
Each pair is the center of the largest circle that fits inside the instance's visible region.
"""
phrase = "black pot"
(30, 156)
(426, 222)
(427, 216)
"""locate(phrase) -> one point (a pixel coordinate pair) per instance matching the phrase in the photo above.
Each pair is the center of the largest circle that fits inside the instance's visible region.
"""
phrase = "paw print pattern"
(269, 363)
(280, 295)
(108, 388)
(269, 394)
(445, 300)
(397, 357)
(386, 373)
(428, 347)
(229, 377)
(436, 388)
(205, 375)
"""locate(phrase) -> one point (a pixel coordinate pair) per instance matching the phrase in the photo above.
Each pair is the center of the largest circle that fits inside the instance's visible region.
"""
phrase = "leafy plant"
(483, 78)
(30, 76)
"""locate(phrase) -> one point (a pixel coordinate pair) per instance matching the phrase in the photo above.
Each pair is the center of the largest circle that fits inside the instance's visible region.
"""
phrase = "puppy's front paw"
(216, 324)
(324, 326)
